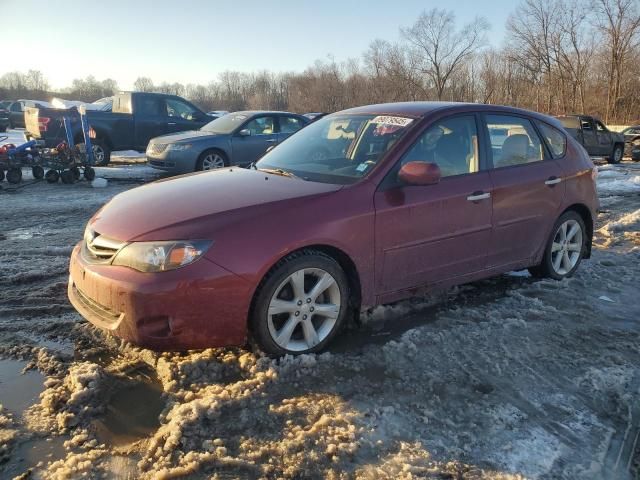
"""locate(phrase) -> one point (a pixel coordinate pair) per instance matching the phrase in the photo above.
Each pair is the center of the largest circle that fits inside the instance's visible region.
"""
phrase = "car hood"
(187, 205)
(182, 136)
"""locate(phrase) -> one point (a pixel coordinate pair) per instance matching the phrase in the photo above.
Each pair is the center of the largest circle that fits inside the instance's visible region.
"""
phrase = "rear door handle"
(477, 196)
(171, 123)
(271, 141)
(553, 180)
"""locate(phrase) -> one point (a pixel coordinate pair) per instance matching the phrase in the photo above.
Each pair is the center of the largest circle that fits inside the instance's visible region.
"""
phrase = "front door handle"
(553, 181)
(477, 196)
(271, 141)
(171, 124)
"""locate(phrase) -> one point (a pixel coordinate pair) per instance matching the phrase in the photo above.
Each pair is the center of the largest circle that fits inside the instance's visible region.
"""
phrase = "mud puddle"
(134, 405)
(32, 453)
(18, 390)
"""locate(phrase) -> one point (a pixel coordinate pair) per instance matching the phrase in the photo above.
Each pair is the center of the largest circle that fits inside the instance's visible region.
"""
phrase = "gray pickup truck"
(597, 139)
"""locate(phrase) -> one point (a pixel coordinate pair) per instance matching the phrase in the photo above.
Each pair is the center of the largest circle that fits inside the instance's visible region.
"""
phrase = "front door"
(251, 141)
(605, 143)
(528, 189)
(589, 138)
(426, 234)
(182, 116)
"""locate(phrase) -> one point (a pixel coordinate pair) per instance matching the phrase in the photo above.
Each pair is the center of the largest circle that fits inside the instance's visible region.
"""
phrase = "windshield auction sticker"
(389, 120)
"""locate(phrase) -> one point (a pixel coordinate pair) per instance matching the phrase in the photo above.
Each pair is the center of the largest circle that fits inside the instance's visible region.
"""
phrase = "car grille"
(156, 148)
(100, 248)
(105, 314)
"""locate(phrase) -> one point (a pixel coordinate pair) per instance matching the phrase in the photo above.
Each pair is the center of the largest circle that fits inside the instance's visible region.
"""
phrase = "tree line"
(559, 56)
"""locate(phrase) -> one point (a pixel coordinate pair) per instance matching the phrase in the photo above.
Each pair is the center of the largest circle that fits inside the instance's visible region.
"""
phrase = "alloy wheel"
(212, 161)
(98, 154)
(617, 155)
(304, 309)
(566, 247)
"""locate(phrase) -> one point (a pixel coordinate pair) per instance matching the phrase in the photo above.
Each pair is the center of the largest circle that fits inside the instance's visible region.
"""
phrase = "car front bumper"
(200, 305)
(183, 161)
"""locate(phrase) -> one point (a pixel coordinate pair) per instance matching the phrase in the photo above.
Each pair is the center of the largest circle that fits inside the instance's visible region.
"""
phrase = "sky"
(192, 41)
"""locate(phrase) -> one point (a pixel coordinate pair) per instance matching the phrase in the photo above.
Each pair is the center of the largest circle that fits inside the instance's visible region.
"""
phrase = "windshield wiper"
(278, 171)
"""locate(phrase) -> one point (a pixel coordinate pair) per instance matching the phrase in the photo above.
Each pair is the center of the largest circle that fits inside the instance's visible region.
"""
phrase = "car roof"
(264, 112)
(423, 109)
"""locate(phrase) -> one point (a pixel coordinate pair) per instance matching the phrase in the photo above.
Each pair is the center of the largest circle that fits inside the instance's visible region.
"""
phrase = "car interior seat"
(515, 150)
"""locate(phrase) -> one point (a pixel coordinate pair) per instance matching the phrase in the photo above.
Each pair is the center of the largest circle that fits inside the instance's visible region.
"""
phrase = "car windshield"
(338, 149)
(227, 123)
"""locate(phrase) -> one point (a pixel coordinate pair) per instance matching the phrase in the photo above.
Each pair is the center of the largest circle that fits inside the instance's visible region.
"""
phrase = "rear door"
(182, 116)
(262, 134)
(150, 117)
(288, 125)
(427, 234)
(528, 190)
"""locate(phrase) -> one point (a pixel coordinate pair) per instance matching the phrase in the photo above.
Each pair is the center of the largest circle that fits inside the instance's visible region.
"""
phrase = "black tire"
(14, 175)
(1, 175)
(52, 176)
(38, 172)
(203, 155)
(67, 177)
(545, 269)
(89, 173)
(4, 128)
(76, 172)
(616, 154)
(279, 273)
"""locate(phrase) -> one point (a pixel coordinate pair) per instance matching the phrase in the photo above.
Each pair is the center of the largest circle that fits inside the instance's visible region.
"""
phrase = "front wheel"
(564, 249)
(616, 155)
(211, 160)
(301, 304)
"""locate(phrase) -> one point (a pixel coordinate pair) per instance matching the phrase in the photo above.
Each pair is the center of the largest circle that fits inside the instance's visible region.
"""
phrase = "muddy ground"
(505, 378)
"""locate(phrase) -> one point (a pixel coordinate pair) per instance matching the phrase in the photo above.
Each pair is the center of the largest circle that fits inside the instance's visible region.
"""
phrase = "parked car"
(134, 119)
(632, 142)
(5, 104)
(17, 109)
(419, 198)
(313, 116)
(4, 118)
(597, 139)
(239, 138)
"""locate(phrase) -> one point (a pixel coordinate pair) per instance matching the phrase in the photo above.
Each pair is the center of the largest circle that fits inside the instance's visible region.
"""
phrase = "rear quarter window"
(554, 138)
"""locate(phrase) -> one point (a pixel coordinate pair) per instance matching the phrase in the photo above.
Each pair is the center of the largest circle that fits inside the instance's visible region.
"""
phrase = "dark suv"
(597, 139)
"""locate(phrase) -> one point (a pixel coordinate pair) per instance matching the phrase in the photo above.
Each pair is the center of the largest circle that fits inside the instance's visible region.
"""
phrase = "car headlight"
(176, 147)
(160, 256)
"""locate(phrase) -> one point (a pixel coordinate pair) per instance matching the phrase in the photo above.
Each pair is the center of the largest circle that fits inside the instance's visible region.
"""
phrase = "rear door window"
(519, 146)
(290, 124)
(151, 106)
(556, 140)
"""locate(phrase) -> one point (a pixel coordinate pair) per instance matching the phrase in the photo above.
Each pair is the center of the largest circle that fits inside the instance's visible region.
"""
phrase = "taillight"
(43, 123)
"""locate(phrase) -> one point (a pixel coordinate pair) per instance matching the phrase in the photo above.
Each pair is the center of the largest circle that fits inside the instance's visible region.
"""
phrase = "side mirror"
(245, 132)
(419, 173)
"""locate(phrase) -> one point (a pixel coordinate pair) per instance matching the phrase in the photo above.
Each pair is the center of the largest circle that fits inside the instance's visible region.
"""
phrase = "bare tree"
(143, 84)
(439, 48)
(620, 22)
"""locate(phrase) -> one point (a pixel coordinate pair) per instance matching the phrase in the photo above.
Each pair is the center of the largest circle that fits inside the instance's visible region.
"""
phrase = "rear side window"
(290, 124)
(151, 106)
(519, 146)
(556, 140)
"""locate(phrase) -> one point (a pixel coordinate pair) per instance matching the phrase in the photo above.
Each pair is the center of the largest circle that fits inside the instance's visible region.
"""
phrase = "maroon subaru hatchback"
(363, 207)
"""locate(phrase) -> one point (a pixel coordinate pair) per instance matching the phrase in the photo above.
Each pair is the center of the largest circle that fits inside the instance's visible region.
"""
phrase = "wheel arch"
(588, 220)
(344, 260)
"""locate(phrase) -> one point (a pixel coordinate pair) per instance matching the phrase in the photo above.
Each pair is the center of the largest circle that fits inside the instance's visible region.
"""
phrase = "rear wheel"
(1, 175)
(564, 249)
(67, 177)
(38, 172)
(101, 152)
(52, 176)
(211, 160)
(301, 304)
(616, 155)
(14, 175)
